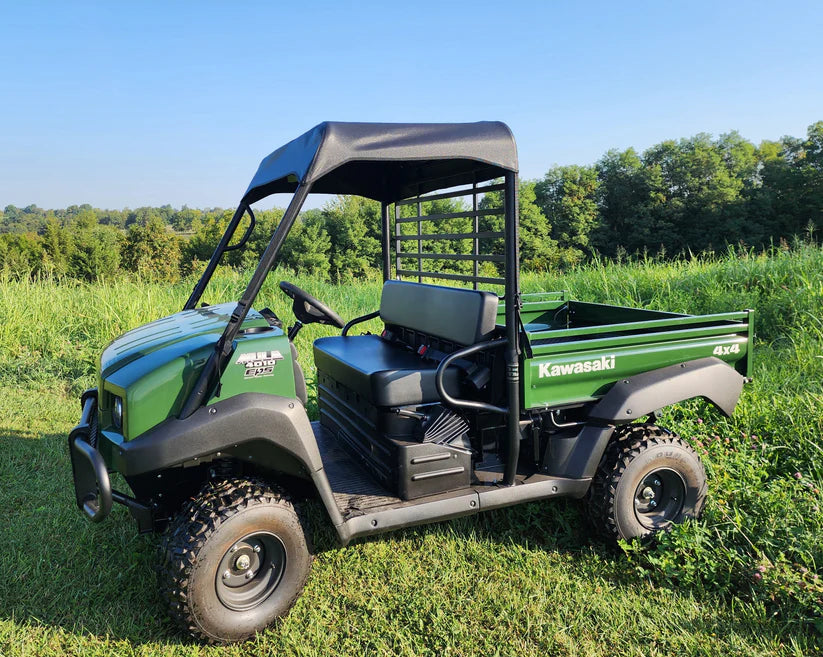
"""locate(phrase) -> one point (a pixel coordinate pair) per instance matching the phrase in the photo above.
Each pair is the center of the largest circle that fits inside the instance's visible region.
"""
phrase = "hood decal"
(259, 363)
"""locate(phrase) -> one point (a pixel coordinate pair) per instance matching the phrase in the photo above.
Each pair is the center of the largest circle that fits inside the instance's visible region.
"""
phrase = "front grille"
(94, 425)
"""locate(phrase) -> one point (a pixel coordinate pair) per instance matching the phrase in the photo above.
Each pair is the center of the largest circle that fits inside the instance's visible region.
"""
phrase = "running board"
(459, 503)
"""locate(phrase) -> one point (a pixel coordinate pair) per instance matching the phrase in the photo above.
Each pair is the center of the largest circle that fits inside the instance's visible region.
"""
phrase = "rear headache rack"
(452, 245)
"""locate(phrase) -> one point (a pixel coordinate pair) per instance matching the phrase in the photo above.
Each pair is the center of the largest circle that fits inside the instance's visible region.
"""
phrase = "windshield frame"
(225, 344)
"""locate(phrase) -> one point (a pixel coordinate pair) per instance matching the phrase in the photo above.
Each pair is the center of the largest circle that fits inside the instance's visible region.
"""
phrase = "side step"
(367, 508)
(459, 503)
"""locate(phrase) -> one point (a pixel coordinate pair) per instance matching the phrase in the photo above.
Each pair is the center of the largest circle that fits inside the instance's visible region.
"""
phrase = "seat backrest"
(454, 314)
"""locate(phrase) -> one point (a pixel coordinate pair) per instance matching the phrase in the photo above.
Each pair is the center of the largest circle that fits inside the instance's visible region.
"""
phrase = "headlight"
(117, 414)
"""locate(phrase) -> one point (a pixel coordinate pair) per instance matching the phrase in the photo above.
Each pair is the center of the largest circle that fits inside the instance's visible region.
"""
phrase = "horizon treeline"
(689, 196)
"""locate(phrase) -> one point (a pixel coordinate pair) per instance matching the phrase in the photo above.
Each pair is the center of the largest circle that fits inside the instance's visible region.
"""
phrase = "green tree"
(58, 247)
(267, 222)
(152, 251)
(208, 229)
(567, 196)
(808, 181)
(624, 202)
(22, 253)
(206, 235)
(82, 219)
(115, 218)
(308, 246)
(353, 226)
(96, 252)
(144, 215)
(30, 219)
(538, 250)
(182, 220)
(444, 225)
(790, 196)
(698, 179)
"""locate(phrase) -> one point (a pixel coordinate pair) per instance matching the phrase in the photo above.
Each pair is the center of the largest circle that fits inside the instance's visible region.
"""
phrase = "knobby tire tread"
(631, 441)
(188, 532)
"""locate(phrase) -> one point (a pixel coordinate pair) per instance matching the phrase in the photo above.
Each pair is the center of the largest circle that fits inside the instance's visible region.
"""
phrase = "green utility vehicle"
(467, 400)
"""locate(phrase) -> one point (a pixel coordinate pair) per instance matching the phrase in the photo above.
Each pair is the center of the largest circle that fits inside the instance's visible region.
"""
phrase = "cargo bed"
(577, 350)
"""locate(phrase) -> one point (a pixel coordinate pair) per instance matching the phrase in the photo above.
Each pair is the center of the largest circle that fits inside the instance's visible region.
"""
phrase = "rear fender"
(645, 393)
(633, 398)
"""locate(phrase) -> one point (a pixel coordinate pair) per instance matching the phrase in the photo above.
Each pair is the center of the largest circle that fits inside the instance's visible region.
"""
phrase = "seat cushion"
(386, 374)
(451, 313)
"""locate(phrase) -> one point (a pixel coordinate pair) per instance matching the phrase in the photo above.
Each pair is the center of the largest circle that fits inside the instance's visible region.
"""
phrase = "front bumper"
(92, 486)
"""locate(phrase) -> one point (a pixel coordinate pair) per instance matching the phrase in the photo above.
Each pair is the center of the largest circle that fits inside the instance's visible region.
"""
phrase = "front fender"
(267, 430)
(645, 393)
(245, 419)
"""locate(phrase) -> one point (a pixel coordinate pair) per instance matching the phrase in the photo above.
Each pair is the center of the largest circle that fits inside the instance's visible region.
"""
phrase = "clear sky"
(118, 104)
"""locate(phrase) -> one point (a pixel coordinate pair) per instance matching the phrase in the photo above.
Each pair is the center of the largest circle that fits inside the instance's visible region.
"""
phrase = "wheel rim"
(250, 570)
(659, 498)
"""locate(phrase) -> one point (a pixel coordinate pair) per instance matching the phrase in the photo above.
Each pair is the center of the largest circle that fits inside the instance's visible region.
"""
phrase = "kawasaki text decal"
(596, 365)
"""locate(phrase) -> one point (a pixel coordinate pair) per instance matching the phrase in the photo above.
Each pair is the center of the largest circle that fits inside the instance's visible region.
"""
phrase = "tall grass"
(759, 541)
(55, 329)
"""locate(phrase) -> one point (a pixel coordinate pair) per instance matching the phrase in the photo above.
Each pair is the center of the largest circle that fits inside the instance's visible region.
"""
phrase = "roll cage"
(399, 165)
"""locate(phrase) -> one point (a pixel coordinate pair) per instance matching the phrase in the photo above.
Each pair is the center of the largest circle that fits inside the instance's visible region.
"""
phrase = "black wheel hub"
(659, 498)
(250, 570)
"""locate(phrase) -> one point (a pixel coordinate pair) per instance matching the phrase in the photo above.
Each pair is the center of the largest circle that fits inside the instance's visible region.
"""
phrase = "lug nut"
(657, 482)
(257, 548)
(249, 575)
(226, 574)
(652, 504)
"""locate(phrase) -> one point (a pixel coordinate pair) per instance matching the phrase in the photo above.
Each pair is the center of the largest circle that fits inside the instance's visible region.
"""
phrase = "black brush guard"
(92, 486)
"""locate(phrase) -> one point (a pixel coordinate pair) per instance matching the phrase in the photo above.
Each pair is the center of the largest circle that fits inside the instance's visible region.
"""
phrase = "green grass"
(527, 580)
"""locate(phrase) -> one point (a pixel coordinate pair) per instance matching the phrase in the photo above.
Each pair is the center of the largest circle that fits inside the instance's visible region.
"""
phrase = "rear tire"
(235, 559)
(648, 480)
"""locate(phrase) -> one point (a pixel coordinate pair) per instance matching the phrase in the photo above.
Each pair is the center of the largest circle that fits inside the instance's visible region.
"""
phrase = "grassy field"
(743, 580)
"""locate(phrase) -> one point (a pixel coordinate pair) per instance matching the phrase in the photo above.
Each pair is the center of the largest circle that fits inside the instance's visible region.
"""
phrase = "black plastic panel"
(387, 444)
(647, 392)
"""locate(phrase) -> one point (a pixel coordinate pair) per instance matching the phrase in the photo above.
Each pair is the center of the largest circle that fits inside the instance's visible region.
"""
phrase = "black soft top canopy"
(387, 161)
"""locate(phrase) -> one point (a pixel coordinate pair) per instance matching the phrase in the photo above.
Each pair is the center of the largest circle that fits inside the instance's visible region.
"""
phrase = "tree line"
(678, 197)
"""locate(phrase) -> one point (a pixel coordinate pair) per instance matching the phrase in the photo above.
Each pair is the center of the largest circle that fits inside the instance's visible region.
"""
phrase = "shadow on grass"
(58, 570)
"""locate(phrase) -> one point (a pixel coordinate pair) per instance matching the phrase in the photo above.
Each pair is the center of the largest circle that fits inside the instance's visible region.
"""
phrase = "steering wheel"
(309, 310)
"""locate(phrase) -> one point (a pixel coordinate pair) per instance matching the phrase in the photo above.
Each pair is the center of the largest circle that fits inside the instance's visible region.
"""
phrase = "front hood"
(181, 333)
(153, 367)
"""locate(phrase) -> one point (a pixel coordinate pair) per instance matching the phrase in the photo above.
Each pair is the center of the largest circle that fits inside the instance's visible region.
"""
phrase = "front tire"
(648, 480)
(235, 559)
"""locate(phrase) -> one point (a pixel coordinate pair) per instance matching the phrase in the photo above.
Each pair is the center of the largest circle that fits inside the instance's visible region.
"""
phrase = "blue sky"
(119, 104)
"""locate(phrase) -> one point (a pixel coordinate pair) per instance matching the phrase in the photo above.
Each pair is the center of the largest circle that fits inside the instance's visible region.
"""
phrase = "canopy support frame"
(225, 344)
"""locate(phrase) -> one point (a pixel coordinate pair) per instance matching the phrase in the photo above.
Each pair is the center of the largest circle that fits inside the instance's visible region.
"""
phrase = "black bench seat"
(384, 373)
(391, 373)
(363, 379)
